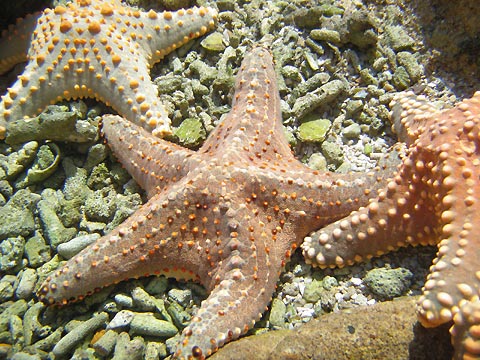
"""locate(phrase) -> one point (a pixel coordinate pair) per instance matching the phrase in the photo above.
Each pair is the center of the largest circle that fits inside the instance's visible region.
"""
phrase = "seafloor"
(361, 52)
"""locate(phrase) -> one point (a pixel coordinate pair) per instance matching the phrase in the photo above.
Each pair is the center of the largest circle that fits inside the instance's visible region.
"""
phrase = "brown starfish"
(99, 49)
(228, 215)
(432, 199)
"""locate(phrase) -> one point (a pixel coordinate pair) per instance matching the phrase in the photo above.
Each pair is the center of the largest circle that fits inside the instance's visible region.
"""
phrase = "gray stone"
(26, 286)
(148, 324)
(181, 296)
(277, 314)
(11, 252)
(74, 246)
(37, 251)
(388, 283)
(78, 334)
(105, 345)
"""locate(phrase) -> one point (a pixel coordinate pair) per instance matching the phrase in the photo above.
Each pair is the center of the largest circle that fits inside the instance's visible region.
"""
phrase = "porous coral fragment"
(227, 215)
(432, 199)
(99, 49)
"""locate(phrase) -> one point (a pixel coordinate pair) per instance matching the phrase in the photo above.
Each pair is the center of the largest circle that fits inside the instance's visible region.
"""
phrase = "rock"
(181, 296)
(45, 164)
(317, 162)
(6, 287)
(386, 330)
(401, 79)
(17, 215)
(11, 252)
(105, 345)
(213, 42)
(277, 314)
(148, 324)
(352, 131)
(397, 38)
(388, 283)
(55, 124)
(78, 334)
(313, 291)
(17, 308)
(408, 61)
(314, 130)
(126, 349)
(332, 152)
(190, 133)
(26, 286)
(121, 320)
(74, 246)
(326, 35)
(320, 97)
(54, 230)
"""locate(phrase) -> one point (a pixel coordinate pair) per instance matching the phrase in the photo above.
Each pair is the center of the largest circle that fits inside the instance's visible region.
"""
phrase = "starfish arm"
(154, 163)
(171, 234)
(253, 129)
(465, 334)
(15, 41)
(315, 199)
(400, 215)
(174, 29)
(443, 297)
(242, 286)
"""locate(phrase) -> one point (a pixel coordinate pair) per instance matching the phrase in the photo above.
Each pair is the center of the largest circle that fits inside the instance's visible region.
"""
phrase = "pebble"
(142, 300)
(7, 287)
(326, 35)
(181, 296)
(124, 300)
(155, 350)
(11, 252)
(321, 97)
(314, 130)
(148, 324)
(388, 283)
(26, 286)
(105, 345)
(31, 323)
(17, 215)
(121, 320)
(77, 244)
(277, 314)
(78, 334)
(126, 349)
(17, 308)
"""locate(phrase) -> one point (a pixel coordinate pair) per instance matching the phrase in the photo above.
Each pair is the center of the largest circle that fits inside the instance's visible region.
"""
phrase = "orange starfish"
(98, 49)
(228, 215)
(432, 199)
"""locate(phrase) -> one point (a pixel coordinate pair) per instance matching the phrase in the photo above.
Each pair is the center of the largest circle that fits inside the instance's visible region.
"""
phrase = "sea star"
(99, 49)
(228, 215)
(432, 199)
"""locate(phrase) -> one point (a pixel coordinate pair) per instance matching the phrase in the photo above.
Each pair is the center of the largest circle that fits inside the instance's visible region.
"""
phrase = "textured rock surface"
(387, 330)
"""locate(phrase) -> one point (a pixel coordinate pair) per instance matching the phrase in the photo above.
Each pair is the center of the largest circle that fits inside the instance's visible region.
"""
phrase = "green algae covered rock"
(191, 133)
(314, 131)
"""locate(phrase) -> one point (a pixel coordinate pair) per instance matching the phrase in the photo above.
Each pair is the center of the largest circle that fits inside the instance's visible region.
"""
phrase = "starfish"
(433, 198)
(228, 215)
(98, 49)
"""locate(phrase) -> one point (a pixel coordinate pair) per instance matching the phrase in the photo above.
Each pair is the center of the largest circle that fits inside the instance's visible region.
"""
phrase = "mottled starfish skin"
(228, 215)
(432, 199)
(98, 49)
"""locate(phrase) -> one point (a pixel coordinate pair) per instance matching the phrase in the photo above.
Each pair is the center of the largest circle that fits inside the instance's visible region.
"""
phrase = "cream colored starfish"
(98, 49)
